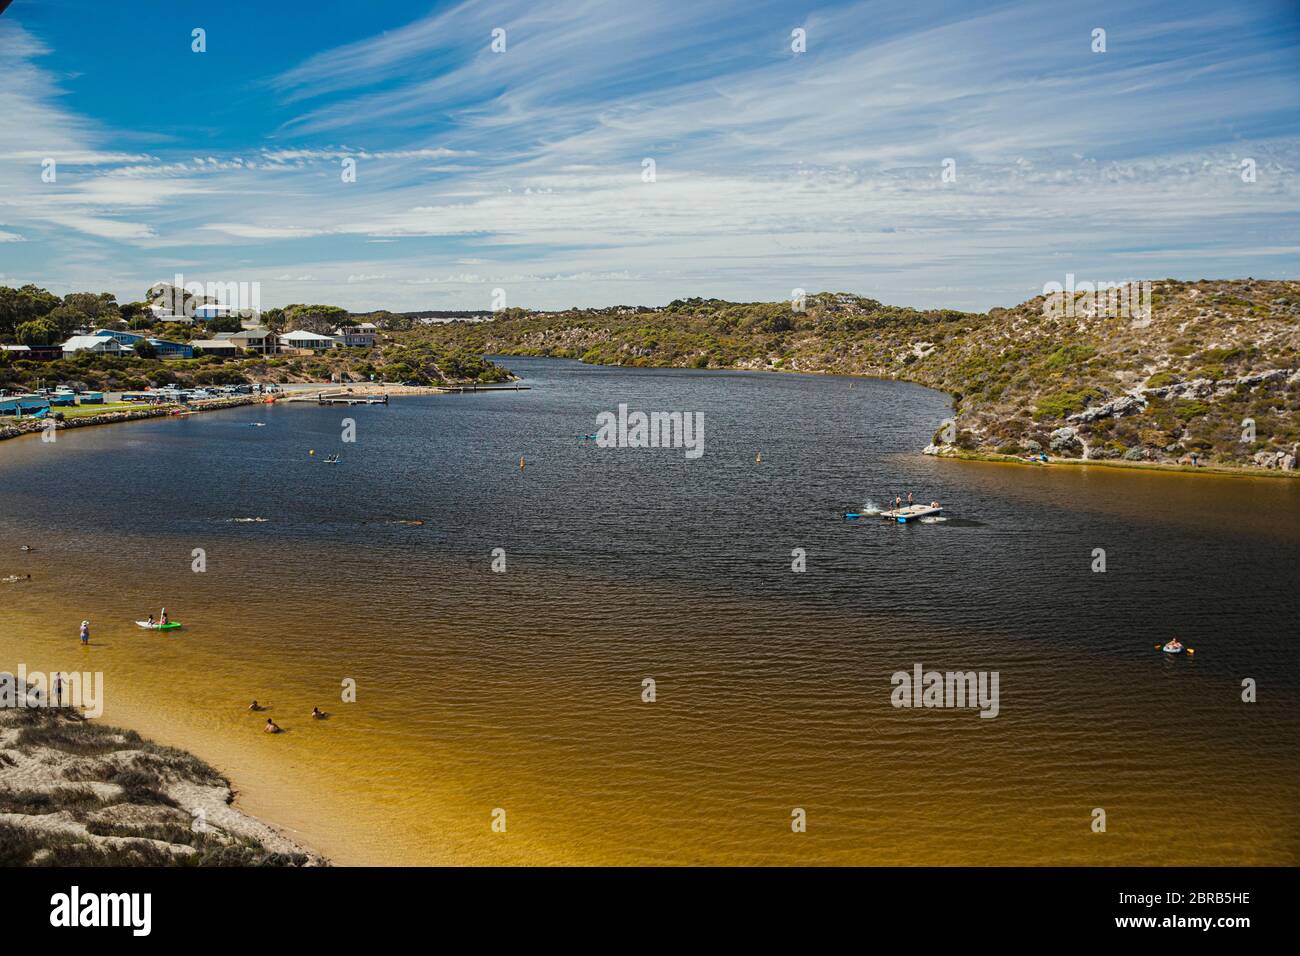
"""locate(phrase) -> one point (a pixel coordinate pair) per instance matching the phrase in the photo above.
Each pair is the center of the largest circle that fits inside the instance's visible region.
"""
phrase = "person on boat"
(1174, 644)
(898, 502)
(162, 618)
(85, 633)
(909, 499)
(271, 727)
(150, 621)
(934, 504)
(317, 714)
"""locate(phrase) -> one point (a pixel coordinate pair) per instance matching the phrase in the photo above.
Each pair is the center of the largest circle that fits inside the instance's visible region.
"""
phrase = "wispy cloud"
(773, 169)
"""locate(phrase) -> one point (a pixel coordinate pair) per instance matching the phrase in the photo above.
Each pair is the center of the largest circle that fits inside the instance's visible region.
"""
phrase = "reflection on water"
(523, 690)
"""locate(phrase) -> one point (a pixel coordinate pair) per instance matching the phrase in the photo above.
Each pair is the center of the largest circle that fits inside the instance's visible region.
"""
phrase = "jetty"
(350, 398)
(514, 387)
(910, 513)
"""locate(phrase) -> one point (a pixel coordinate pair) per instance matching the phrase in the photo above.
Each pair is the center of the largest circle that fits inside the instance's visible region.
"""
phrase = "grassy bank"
(112, 414)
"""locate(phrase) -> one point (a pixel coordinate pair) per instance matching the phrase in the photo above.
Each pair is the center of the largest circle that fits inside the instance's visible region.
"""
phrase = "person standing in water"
(85, 633)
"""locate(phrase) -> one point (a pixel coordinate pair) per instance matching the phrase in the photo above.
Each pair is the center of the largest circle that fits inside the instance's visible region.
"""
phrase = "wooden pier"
(515, 387)
(348, 398)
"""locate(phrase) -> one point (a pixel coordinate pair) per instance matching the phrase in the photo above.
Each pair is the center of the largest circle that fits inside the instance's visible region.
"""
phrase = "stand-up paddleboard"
(172, 626)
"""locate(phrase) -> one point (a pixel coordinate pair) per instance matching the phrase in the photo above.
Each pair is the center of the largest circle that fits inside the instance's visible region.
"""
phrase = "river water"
(522, 691)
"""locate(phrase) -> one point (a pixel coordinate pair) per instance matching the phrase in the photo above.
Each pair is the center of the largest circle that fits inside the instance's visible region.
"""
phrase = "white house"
(101, 344)
(163, 314)
(315, 341)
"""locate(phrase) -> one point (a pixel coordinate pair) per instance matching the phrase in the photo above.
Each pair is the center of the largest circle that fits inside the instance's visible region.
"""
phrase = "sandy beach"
(77, 792)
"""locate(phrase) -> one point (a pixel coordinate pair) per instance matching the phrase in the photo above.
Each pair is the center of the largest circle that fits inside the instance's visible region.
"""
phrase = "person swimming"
(317, 714)
(255, 706)
(271, 727)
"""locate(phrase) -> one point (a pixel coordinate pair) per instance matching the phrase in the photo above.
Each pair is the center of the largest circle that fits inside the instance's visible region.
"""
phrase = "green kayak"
(171, 626)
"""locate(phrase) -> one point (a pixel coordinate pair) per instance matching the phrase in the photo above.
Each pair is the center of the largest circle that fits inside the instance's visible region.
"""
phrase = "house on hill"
(99, 344)
(257, 340)
(357, 336)
(315, 341)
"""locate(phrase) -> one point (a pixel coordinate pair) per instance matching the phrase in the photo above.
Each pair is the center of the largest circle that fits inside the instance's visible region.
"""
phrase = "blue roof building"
(167, 349)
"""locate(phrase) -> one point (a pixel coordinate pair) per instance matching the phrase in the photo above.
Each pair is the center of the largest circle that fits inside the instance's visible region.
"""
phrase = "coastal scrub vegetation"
(1213, 357)
(108, 797)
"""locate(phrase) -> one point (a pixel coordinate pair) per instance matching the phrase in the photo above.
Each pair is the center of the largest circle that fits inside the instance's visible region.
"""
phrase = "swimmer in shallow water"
(318, 714)
(271, 727)
(255, 706)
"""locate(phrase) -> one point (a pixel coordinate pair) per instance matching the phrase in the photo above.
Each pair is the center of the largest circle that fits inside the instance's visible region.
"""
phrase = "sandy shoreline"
(76, 792)
(1221, 471)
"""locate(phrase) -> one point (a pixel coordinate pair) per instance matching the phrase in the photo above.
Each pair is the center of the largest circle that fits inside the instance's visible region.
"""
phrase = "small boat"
(331, 459)
(910, 513)
(155, 626)
(1172, 648)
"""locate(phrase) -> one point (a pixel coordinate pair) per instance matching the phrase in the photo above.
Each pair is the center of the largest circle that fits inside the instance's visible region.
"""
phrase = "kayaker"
(150, 621)
(85, 632)
(162, 618)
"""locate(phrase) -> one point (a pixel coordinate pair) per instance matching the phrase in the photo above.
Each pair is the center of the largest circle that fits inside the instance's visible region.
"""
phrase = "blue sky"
(523, 170)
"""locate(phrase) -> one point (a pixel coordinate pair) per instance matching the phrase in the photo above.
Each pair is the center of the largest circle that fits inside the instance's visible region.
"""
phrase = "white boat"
(1171, 648)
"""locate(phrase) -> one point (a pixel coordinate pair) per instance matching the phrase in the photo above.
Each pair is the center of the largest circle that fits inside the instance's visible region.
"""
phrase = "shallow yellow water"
(522, 691)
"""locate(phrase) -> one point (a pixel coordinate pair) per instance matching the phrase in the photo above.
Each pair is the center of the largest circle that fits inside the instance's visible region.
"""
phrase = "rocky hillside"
(1208, 371)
